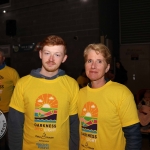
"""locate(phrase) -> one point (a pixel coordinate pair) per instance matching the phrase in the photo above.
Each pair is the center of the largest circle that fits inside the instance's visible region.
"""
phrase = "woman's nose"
(93, 65)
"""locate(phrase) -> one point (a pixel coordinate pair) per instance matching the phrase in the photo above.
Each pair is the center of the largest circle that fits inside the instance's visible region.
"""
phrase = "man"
(43, 108)
(107, 111)
(8, 79)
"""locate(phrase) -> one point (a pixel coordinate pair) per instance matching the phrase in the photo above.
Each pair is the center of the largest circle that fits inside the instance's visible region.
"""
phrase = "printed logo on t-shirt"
(45, 115)
(89, 123)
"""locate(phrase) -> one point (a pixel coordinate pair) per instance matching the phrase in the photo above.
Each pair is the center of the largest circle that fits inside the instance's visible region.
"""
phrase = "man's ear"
(40, 54)
(65, 58)
(3, 58)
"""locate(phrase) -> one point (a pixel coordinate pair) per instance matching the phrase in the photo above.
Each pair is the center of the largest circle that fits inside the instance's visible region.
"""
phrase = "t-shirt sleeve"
(17, 101)
(15, 77)
(127, 110)
(73, 102)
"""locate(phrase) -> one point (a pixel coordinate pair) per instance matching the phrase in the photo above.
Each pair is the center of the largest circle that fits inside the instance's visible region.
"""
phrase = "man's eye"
(58, 55)
(46, 53)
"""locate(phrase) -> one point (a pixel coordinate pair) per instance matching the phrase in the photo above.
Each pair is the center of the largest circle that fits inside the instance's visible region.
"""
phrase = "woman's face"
(96, 66)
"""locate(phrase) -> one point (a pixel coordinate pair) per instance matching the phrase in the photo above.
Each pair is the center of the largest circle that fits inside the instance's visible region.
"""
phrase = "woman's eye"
(99, 61)
(89, 61)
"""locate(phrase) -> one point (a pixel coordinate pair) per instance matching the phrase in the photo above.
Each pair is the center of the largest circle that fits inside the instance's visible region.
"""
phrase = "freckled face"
(52, 57)
(96, 66)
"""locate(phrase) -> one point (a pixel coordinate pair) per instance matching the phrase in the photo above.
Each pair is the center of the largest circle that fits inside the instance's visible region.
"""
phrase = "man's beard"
(53, 68)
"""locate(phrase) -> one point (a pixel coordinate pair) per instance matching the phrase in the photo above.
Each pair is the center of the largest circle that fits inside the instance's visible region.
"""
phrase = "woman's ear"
(108, 67)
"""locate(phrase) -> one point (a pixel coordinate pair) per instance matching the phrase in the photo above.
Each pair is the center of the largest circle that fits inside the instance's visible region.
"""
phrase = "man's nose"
(51, 58)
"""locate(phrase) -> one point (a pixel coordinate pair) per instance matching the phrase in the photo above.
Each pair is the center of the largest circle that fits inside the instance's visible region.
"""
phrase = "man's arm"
(15, 129)
(133, 137)
(74, 132)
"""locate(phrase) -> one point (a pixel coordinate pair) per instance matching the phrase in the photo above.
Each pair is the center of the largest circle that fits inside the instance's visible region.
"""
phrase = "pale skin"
(96, 67)
(52, 57)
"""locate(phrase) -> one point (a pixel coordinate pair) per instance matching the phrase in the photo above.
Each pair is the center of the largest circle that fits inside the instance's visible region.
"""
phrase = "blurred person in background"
(120, 73)
(109, 75)
(8, 79)
(82, 79)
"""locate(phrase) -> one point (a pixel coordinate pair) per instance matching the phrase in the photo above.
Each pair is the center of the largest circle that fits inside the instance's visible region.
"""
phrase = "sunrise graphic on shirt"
(89, 117)
(46, 108)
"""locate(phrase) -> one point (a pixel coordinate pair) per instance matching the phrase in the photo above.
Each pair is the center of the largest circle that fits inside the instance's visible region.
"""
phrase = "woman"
(106, 109)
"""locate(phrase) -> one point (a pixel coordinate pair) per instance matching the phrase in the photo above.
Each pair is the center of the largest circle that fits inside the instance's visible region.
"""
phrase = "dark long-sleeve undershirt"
(15, 130)
(133, 137)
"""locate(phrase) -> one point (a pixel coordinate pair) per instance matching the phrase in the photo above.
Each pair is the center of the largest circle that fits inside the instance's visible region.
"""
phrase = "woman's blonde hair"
(98, 48)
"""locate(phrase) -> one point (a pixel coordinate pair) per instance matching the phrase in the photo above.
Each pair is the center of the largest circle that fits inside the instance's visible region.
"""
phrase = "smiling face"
(52, 57)
(96, 66)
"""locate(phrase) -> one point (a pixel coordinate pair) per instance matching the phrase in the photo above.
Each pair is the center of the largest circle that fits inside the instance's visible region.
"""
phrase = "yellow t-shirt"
(82, 81)
(102, 113)
(8, 79)
(46, 105)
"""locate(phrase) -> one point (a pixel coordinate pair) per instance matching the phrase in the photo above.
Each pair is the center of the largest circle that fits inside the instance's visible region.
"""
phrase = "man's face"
(52, 57)
(96, 66)
(2, 58)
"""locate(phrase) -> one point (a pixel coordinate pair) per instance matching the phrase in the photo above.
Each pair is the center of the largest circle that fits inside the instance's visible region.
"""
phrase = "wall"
(134, 18)
(136, 60)
(109, 22)
(37, 19)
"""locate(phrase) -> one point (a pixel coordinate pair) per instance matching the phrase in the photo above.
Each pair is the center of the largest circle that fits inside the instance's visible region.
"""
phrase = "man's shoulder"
(70, 80)
(24, 79)
(10, 68)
